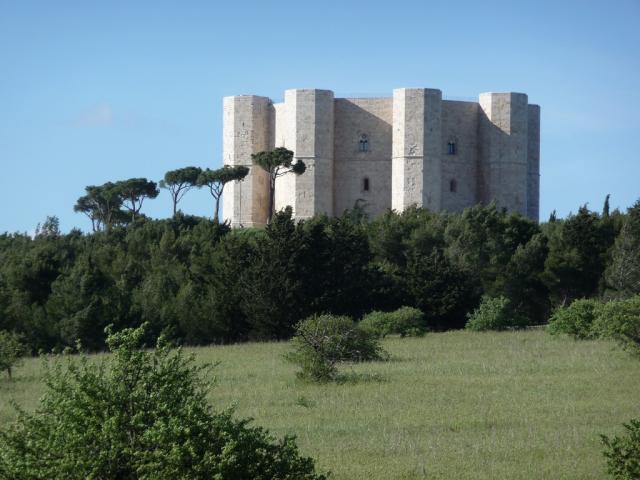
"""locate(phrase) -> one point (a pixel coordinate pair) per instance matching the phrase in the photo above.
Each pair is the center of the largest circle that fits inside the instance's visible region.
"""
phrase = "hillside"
(518, 405)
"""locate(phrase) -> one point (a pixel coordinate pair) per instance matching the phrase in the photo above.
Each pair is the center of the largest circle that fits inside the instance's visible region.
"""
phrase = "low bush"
(623, 453)
(11, 349)
(139, 415)
(620, 320)
(406, 321)
(322, 341)
(576, 319)
(494, 313)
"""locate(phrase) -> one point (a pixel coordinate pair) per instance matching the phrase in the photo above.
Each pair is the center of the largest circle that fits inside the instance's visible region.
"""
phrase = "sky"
(101, 91)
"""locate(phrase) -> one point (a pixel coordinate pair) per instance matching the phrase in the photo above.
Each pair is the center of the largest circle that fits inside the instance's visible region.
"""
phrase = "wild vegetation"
(517, 404)
(199, 282)
(355, 280)
(322, 341)
(139, 415)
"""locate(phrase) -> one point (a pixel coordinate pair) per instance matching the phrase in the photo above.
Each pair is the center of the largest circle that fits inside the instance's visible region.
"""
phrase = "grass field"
(457, 405)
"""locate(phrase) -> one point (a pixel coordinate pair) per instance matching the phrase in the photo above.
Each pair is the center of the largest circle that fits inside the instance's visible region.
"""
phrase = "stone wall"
(533, 157)
(503, 139)
(366, 120)
(459, 170)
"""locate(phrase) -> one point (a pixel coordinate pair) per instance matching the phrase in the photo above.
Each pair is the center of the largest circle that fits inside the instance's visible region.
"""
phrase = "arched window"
(453, 186)
(451, 147)
(365, 184)
(363, 143)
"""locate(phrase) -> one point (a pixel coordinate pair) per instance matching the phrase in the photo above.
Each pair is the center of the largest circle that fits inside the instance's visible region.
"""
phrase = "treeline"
(200, 282)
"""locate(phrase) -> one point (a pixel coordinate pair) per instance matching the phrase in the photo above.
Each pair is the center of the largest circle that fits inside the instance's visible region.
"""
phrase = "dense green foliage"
(623, 271)
(322, 341)
(576, 319)
(11, 349)
(199, 282)
(494, 313)
(405, 321)
(620, 320)
(623, 453)
(139, 415)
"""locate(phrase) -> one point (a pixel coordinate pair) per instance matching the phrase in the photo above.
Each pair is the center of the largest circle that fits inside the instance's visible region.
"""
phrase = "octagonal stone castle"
(413, 148)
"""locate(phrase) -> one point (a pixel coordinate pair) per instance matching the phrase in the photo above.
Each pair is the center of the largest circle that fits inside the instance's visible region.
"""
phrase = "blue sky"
(96, 91)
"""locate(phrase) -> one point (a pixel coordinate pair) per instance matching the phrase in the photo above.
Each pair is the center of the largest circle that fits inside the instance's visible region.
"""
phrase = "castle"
(413, 148)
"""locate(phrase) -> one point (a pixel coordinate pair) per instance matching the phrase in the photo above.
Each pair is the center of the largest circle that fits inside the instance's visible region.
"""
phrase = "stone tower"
(413, 148)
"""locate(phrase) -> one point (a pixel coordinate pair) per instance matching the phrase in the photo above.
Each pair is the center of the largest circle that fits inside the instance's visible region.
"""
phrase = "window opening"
(364, 143)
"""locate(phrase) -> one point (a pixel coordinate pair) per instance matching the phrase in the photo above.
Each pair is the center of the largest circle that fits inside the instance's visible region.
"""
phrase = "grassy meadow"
(456, 405)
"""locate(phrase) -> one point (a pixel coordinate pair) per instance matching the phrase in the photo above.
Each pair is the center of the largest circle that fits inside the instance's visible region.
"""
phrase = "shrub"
(11, 349)
(406, 321)
(620, 320)
(322, 341)
(623, 453)
(139, 415)
(576, 319)
(494, 313)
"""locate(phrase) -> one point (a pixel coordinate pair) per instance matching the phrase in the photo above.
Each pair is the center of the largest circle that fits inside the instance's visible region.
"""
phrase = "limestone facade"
(412, 148)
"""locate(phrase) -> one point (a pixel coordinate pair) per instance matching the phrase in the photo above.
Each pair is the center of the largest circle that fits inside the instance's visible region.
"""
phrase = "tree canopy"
(134, 191)
(277, 163)
(179, 182)
(217, 179)
(102, 204)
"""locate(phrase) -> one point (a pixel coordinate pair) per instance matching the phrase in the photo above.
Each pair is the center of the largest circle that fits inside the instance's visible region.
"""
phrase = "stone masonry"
(413, 148)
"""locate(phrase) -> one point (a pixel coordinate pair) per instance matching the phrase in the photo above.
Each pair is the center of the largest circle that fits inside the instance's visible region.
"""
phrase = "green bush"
(11, 349)
(620, 320)
(576, 319)
(494, 313)
(139, 414)
(623, 453)
(322, 341)
(406, 321)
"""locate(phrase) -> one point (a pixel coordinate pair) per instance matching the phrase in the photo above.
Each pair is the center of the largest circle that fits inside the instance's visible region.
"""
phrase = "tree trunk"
(9, 372)
(215, 216)
(272, 191)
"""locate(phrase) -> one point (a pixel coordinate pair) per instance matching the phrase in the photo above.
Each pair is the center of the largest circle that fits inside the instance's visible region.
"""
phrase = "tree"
(322, 341)
(102, 205)
(273, 280)
(277, 163)
(140, 414)
(49, 228)
(523, 284)
(605, 207)
(11, 349)
(440, 289)
(217, 179)
(623, 271)
(133, 193)
(179, 182)
(578, 249)
(623, 452)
